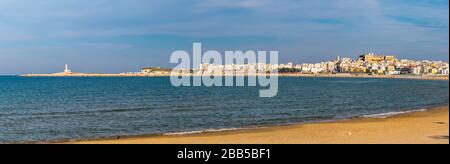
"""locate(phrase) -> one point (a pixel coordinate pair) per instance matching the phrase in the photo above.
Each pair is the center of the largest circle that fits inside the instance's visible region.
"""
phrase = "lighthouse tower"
(67, 70)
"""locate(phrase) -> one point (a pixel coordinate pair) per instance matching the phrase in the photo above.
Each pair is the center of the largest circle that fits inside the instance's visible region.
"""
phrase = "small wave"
(390, 114)
(201, 131)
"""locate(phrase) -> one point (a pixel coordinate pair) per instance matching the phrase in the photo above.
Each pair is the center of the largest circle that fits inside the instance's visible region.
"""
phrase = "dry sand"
(430, 127)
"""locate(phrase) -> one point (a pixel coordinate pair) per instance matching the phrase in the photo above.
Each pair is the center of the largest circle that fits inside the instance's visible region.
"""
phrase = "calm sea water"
(60, 108)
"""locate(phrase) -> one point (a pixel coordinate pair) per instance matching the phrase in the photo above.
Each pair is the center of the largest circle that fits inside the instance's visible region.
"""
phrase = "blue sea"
(41, 109)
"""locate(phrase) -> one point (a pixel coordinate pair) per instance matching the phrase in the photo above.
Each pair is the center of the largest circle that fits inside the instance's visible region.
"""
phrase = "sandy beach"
(425, 127)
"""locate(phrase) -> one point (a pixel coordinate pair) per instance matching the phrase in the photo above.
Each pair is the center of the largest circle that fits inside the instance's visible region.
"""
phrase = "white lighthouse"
(67, 70)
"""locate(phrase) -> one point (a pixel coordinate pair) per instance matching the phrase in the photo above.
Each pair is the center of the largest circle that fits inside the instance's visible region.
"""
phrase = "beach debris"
(443, 137)
(441, 123)
(349, 133)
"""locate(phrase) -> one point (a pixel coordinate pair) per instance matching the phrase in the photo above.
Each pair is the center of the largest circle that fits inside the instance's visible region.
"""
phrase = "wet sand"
(429, 127)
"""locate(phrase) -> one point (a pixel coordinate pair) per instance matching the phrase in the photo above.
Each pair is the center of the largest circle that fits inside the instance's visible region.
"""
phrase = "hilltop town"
(372, 64)
(367, 64)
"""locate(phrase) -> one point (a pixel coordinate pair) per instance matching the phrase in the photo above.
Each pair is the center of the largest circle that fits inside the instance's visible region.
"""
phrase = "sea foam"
(390, 114)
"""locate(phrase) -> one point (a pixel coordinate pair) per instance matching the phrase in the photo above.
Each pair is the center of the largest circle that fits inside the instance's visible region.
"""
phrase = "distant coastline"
(338, 75)
(365, 66)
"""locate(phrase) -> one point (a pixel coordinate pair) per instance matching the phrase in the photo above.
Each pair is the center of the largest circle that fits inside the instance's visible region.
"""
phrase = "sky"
(112, 36)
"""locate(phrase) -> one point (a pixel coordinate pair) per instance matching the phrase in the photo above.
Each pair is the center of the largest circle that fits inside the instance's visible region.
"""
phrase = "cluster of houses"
(365, 64)
(377, 65)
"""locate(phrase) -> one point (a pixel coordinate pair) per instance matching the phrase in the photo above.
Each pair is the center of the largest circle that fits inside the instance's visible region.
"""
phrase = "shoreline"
(341, 75)
(413, 127)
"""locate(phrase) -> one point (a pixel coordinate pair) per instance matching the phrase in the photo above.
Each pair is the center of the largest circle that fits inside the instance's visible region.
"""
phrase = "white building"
(417, 70)
(67, 70)
(444, 71)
